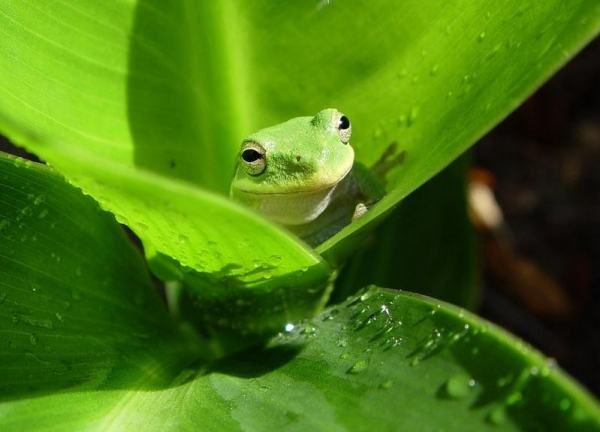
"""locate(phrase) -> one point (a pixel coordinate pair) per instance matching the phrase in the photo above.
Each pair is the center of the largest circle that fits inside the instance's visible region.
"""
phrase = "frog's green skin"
(302, 175)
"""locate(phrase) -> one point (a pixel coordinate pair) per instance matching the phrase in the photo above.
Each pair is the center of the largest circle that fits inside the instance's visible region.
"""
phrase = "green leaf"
(443, 77)
(125, 108)
(76, 302)
(380, 361)
(426, 245)
(173, 87)
(217, 244)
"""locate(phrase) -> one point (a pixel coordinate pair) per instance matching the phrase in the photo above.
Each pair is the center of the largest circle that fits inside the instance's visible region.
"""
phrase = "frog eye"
(344, 129)
(253, 158)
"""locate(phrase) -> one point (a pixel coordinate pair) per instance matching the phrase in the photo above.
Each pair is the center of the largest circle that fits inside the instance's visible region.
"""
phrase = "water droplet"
(59, 316)
(275, 258)
(493, 52)
(329, 315)
(514, 398)
(459, 386)
(503, 381)
(481, 36)
(289, 327)
(412, 116)
(496, 416)
(565, 404)
(309, 330)
(365, 296)
(359, 367)
(386, 384)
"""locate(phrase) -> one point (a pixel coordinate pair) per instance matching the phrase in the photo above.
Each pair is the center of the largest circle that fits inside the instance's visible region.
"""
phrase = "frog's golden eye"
(253, 158)
(344, 129)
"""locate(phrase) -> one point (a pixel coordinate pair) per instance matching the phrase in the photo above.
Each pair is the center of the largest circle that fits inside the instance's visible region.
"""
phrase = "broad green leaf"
(87, 344)
(173, 86)
(426, 245)
(381, 361)
(140, 83)
(77, 306)
(459, 68)
(217, 244)
(127, 107)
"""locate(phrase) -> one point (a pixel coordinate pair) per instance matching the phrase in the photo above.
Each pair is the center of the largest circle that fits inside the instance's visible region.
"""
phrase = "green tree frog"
(302, 174)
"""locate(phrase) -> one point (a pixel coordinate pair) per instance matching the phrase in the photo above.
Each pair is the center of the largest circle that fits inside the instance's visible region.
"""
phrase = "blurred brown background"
(542, 279)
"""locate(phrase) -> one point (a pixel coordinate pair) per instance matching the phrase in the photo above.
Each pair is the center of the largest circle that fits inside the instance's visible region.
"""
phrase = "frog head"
(288, 171)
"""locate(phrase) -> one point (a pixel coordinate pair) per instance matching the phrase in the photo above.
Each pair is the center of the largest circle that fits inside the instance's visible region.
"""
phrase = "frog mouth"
(307, 191)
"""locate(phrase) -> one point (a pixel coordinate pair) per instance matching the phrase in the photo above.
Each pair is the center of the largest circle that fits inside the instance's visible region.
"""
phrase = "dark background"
(541, 279)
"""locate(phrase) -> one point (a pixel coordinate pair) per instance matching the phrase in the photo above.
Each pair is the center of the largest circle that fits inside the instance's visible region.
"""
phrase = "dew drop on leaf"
(358, 367)
(565, 404)
(459, 386)
(496, 416)
(514, 398)
(386, 384)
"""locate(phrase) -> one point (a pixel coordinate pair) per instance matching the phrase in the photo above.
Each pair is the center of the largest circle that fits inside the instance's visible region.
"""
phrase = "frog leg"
(388, 160)
(360, 209)
(369, 189)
